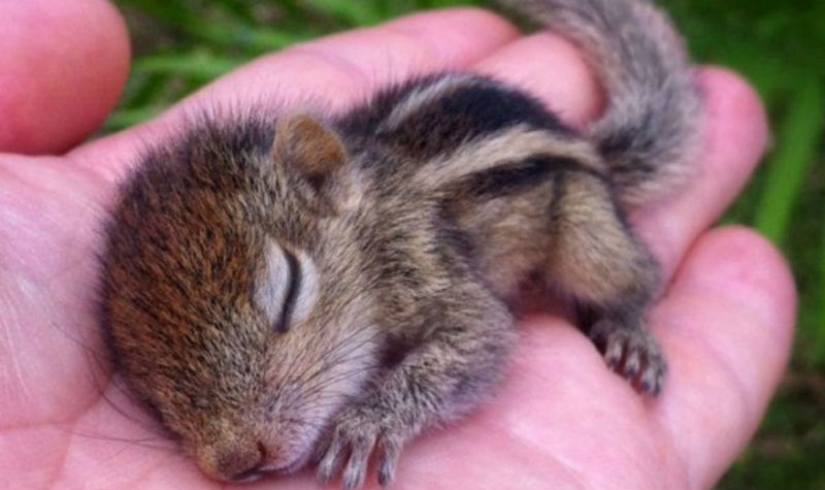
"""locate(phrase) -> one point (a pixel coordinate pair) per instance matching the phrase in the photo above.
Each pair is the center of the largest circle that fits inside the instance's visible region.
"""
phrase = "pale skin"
(561, 420)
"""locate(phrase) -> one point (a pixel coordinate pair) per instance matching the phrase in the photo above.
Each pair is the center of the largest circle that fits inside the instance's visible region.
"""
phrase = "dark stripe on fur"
(512, 178)
(466, 112)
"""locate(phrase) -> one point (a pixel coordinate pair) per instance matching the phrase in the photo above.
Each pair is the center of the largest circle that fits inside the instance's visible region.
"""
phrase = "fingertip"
(416, 44)
(735, 298)
(67, 64)
(726, 324)
(736, 122)
(750, 272)
(410, 46)
(448, 27)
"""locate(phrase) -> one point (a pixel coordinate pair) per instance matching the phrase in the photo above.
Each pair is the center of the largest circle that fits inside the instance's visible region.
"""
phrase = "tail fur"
(649, 131)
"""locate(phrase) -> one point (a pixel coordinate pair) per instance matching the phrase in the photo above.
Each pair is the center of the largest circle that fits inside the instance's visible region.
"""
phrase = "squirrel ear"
(314, 150)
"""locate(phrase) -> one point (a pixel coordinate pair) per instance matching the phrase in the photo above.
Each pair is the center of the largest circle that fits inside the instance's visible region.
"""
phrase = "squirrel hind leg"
(597, 259)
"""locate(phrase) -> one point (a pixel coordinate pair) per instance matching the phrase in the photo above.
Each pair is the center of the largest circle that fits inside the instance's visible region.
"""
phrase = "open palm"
(561, 420)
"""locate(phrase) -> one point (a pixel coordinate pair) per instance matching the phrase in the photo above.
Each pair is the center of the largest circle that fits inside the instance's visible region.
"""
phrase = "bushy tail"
(649, 130)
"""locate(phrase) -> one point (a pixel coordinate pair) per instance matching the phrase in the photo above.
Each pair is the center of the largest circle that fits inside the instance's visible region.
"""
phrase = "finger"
(552, 69)
(727, 327)
(350, 66)
(735, 134)
(330, 73)
(65, 64)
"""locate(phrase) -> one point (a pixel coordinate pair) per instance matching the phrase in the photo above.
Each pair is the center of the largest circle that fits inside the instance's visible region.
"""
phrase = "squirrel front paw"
(358, 433)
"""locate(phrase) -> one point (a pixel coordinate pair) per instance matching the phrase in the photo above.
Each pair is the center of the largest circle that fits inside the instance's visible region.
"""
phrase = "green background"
(778, 46)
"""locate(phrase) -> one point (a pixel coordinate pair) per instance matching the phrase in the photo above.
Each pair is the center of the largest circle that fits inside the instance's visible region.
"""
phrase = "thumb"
(65, 65)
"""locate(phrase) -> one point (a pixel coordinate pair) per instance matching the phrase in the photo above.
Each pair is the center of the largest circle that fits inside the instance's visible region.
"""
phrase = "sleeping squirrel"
(305, 288)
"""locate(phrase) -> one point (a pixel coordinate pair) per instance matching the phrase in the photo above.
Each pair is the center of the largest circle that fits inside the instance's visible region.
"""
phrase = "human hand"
(561, 420)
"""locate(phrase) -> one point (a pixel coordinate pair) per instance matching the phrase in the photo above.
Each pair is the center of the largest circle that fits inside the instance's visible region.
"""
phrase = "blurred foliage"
(179, 46)
(778, 47)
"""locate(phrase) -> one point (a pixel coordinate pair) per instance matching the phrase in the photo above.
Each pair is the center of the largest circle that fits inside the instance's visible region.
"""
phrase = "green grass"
(182, 45)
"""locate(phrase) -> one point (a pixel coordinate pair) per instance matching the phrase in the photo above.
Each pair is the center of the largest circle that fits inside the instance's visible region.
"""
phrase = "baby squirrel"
(295, 289)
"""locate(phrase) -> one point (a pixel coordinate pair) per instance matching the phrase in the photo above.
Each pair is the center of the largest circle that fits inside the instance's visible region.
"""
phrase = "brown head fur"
(195, 278)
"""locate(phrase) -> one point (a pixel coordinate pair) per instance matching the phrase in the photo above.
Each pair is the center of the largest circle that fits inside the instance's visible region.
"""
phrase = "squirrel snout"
(235, 462)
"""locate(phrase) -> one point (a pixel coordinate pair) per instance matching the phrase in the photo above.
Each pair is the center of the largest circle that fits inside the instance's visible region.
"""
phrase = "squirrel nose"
(242, 464)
